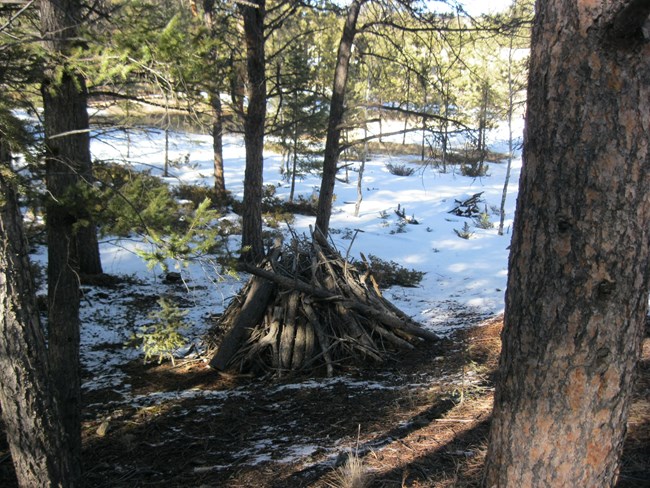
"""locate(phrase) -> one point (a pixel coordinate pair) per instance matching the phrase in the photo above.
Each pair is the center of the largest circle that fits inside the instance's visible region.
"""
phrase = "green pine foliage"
(163, 337)
(201, 238)
(483, 221)
(135, 202)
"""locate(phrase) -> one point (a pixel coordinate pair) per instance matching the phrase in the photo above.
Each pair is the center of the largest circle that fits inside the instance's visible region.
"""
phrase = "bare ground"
(420, 420)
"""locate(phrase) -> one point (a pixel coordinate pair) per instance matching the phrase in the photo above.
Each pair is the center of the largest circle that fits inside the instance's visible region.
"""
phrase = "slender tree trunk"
(364, 156)
(408, 105)
(252, 243)
(63, 272)
(167, 123)
(32, 420)
(511, 97)
(578, 274)
(221, 194)
(482, 129)
(294, 162)
(445, 127)
(217, 148)
(60, 22)
(424, 129)
(337, 108)
(66, 161)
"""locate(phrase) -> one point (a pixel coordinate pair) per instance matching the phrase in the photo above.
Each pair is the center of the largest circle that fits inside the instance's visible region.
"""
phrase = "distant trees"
(515, 70)
(452, 86)
(578, 278)
(298, 103)
(219, 66)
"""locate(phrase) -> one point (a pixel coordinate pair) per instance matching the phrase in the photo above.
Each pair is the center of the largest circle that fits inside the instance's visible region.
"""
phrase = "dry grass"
(352, 474)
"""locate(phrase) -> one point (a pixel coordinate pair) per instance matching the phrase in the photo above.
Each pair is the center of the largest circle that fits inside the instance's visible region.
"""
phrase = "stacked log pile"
(308, 309)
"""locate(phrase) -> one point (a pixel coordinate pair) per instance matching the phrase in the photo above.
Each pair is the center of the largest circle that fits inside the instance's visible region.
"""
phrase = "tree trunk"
(32, 420)
(337, 108)
(578, 273)
(511, 97)
(63, 271)
(60, 22)
(67, 160)
(217, 146)
(252, 244)
(221, 195)
(294, 163)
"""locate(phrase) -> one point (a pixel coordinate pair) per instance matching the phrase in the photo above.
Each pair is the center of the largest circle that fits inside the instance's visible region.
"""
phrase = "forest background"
(423, 83)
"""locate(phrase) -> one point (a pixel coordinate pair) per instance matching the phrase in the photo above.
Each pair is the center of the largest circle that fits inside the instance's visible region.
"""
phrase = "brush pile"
(308, 309)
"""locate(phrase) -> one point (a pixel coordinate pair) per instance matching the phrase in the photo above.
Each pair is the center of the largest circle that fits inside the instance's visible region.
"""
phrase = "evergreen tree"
(66, 126)
(337, 108)
(254, 14)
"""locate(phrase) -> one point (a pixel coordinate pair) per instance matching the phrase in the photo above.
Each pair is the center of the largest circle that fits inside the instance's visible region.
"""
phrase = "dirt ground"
(420, 420)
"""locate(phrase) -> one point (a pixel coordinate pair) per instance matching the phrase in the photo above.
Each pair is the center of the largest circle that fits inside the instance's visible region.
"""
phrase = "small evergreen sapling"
(482, 220)
(163, 337)
(465, 233)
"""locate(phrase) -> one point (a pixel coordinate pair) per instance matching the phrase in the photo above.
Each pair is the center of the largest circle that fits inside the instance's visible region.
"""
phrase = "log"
(393, 339)
(407, 325)
(250, 314)
(287, 338)
(320, 334)
(299, 343)
(270, 338)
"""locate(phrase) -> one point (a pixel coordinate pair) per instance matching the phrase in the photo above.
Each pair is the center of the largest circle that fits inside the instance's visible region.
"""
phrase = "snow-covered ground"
(461, 275)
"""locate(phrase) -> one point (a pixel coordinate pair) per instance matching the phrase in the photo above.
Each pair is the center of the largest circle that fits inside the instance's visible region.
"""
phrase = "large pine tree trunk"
(31, 418)
(252, 243)
(337, 109)
(578, 282)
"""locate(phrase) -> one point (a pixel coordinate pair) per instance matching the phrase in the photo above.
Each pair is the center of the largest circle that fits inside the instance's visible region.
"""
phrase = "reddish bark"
(578, 273)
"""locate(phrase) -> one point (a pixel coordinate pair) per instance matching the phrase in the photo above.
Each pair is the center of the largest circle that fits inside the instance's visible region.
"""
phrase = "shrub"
(482, 221)
(303, 205)
(269, 199)
(195, 194)
(389, 273)
(400, 169)
(202, 236)
(135, 202)
(401, 213)
(474, 170)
